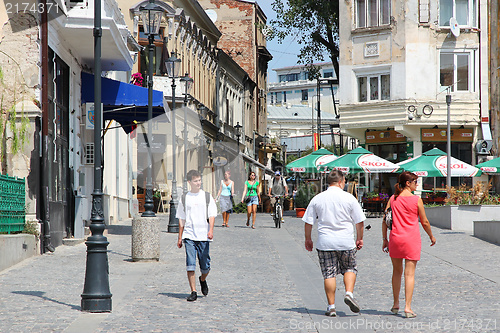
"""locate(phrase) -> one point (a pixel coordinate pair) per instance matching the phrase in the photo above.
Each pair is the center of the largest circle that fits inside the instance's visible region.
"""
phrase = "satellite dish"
(212, 14)
(455, 30)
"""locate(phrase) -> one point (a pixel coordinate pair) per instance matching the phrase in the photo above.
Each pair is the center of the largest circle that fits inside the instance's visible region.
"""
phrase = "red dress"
(404, 239)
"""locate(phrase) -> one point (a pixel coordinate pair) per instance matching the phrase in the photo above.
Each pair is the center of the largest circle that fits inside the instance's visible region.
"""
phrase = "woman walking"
(252, 193)
(225, 195)
(404, 239)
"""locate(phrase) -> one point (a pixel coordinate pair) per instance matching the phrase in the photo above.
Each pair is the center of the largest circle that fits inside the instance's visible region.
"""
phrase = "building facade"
(399, 60)
(42, 60)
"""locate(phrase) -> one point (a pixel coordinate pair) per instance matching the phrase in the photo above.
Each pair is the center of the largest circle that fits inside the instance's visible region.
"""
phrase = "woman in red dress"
(404, 239)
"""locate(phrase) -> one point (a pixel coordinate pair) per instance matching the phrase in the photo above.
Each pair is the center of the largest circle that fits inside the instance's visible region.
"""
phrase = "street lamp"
(151, 18)
(238, 132)
(173, 68)
(96, 296)
(188, 83)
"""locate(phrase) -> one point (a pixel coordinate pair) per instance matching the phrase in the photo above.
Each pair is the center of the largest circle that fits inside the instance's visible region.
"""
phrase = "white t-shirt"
(195, 216)
(337, 212)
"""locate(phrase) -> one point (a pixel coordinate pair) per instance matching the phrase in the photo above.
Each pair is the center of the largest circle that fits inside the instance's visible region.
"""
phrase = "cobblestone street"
(262, 280)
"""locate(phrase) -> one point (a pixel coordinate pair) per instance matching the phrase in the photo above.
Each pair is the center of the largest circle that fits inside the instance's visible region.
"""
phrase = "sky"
(284, 54)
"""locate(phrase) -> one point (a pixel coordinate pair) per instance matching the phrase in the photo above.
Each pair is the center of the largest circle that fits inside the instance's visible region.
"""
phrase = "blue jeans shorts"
(254, 200)
(200, 248)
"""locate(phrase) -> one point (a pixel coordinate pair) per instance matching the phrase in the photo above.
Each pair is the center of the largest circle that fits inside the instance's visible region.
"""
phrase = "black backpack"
(207, 199)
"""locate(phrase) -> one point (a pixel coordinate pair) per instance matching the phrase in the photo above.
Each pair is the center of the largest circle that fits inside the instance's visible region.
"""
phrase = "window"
(289, 77)
(374, 87)
(455, 71)
(278, 97)
(305, 95)
(284, 96)
(465, 11)
(372, 13)
(328, 73)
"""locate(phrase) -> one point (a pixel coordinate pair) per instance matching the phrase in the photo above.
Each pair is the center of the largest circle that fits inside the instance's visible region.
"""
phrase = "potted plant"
(302, 198)
(156, 200)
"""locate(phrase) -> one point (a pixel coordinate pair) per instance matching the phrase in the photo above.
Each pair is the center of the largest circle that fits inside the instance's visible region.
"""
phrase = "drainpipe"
(44, 181)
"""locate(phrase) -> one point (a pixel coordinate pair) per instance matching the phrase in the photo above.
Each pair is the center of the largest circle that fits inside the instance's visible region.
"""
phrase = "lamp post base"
(173, 222)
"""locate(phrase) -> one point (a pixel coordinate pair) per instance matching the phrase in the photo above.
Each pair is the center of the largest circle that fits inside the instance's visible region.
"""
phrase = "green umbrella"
(309, 163)
(490, 167)
(433, 163)
(361, 160)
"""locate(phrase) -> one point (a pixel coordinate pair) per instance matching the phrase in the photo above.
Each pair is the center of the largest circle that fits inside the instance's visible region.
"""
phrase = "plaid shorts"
(337, 262)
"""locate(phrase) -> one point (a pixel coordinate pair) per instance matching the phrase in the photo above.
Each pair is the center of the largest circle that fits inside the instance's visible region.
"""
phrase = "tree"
(315, 25)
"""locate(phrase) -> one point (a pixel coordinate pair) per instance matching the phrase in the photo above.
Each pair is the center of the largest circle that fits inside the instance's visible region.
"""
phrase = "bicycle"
(278, 212)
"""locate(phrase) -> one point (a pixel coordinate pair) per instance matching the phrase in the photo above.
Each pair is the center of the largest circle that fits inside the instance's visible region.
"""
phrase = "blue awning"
(122, 102)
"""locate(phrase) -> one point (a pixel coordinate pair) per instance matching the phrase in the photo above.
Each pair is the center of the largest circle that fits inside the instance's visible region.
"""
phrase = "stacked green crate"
(12, 200)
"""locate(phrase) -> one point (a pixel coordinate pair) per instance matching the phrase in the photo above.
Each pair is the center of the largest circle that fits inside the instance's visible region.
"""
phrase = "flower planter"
(299, 212)
(461, 217)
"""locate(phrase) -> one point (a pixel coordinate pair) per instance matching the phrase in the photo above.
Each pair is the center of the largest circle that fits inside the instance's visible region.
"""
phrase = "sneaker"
(192, 297)
(331, 313)
(351, 302)
(204, 287)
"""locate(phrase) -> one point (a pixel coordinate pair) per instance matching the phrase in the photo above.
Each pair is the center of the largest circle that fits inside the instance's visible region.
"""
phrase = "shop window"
(377, 87)
(372, 13)
(464, 11)
(456, 71)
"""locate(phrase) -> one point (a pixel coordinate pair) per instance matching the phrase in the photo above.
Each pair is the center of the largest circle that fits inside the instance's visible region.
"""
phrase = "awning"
(257, 164)
(123, 102)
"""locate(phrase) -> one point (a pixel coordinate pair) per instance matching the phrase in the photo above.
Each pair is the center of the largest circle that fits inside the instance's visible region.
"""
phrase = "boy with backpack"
(196, 213)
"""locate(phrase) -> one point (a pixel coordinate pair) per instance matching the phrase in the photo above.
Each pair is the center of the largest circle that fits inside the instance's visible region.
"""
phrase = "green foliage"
(313, 24)
(31, 227)
(18, 127)
(303, 196)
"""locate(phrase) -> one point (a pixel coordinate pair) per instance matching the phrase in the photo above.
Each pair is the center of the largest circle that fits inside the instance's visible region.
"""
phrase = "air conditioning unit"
(484, 146)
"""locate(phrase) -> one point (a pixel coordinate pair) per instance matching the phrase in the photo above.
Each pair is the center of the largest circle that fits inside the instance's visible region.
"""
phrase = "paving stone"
(262, 280)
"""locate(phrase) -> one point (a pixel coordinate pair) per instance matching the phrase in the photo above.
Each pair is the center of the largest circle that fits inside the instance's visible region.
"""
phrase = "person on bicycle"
(277, 188)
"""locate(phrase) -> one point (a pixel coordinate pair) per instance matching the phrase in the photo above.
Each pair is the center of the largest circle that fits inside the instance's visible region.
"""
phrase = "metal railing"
(12, 201)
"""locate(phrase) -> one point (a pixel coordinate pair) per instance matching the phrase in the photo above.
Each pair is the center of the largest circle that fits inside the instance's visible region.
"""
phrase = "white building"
(397, 60)
(293, 105)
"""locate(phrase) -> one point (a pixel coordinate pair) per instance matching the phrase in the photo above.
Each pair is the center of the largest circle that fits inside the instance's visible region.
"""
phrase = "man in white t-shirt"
(336, 213)
(196, 231)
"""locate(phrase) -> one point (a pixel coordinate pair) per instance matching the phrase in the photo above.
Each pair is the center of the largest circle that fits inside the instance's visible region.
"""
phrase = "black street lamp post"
(188, 82)
(238, 132)
(151, 18)
(96, 296)
(173, 67)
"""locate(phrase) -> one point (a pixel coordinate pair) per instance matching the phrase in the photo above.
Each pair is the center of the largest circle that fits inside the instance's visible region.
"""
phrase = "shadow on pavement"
(119, 229)
(41, 293)
(175, 295)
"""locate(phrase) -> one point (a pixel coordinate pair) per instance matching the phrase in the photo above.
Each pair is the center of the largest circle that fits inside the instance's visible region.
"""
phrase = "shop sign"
(389, 136)
(439, 135)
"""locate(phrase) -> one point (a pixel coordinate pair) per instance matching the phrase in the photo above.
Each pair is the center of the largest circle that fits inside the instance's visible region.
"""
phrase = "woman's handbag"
(247, 199)
(232, 200)
(388, 218)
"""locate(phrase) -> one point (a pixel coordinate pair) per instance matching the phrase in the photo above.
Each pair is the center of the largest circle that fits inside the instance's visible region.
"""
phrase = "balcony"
(76, 26)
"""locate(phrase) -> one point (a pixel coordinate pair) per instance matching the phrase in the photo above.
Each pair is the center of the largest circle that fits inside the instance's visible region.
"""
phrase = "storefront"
(389, 145)
(461, 148)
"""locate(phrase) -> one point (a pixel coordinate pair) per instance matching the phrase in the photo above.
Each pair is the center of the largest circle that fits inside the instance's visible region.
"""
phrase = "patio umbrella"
(433, 163)
(490, 167)
(310, 162)
(361, 160)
